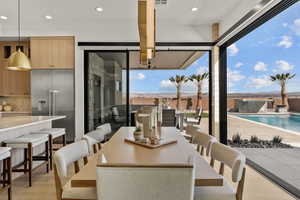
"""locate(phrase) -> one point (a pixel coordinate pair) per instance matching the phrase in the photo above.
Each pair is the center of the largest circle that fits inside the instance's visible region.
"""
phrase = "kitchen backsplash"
(19, 104)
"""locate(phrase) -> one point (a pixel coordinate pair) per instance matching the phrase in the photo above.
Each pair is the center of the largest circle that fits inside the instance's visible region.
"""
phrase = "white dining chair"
(203, 141)
(236, 161)
(146, 182)
(63, 159)
(93, 144)
(190, 132)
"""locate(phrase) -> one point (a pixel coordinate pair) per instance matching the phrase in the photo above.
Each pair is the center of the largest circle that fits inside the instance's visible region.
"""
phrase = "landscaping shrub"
(277, 139)
(237, 138)
(254, 139)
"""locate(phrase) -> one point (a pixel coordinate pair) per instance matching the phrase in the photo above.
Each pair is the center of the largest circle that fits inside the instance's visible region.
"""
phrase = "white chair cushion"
(91, 141)
(4, 152)
(97, 134)
(22, 141)
(79, 193)
(55, 132)
(226, 192)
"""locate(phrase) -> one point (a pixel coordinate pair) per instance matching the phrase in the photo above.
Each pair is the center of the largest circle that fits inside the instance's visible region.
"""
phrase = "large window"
(264, 98)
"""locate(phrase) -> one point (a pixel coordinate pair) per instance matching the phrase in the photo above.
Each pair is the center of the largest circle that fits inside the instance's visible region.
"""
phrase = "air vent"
(161, 2)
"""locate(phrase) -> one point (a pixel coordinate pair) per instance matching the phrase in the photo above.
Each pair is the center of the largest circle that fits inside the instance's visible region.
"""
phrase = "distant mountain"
(232, 95)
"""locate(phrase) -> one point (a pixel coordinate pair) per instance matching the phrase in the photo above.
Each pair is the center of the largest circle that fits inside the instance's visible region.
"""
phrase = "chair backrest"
(115, 111)
(105, 127)
(136, 182)
(169, 117)
(230, 157)
(68, 155)
(93, 144)
(204, 141)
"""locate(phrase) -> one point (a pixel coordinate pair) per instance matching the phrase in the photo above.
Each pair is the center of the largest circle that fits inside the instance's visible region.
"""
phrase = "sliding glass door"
(105, 85)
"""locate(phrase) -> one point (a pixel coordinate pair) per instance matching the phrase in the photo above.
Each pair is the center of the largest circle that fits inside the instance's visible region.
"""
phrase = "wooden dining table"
(118, 151)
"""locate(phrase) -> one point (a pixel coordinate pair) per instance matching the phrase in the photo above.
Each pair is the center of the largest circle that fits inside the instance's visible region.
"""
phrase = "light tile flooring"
(257, 187)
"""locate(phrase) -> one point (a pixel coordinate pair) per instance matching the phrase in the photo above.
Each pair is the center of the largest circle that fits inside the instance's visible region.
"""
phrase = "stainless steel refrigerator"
(52, 94)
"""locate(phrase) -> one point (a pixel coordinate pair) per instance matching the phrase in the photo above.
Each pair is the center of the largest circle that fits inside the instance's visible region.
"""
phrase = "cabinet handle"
(52, 66)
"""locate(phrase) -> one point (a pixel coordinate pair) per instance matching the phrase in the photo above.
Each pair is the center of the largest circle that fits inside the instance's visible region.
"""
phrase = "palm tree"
(199, 79)
(178, 81)
(282, 80)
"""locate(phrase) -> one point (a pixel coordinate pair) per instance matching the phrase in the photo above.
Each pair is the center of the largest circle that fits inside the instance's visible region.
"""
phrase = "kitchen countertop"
(9, 123)
(15, 112)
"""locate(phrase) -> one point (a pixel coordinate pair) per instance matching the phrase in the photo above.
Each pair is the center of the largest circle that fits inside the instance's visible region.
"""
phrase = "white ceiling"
(118, 21)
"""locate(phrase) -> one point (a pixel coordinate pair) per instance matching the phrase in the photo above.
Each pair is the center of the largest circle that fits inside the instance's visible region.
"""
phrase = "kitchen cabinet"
(13, 83)
(52, 52)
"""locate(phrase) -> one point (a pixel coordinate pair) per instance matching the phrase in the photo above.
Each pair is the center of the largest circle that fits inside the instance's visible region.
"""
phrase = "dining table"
(118, 151)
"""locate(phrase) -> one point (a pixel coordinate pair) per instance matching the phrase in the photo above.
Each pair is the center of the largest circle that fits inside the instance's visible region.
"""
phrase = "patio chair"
(116, 116)
(195, 120)
(169, 117)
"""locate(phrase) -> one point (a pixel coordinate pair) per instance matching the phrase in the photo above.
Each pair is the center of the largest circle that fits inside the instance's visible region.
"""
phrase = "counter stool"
(28, 142)
(5, 157)
(52, 134)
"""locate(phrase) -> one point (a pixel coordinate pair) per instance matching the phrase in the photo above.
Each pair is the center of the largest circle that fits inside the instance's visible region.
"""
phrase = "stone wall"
(294, 104)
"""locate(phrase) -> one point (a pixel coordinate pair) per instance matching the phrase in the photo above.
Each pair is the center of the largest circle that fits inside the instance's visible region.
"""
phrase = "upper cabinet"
(13, 83)
(52, 52)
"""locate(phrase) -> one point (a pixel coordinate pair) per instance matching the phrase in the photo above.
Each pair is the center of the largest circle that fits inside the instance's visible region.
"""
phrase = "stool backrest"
(136, 182)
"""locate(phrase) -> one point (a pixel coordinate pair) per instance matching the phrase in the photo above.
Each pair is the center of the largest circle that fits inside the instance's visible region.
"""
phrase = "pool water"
(289, 122)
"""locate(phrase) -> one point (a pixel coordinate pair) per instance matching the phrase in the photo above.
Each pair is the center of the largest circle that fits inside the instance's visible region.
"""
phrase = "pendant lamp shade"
(18, 61)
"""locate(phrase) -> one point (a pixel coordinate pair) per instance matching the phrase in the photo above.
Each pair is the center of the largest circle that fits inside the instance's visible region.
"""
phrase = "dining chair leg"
(95, 148)
(30, 163)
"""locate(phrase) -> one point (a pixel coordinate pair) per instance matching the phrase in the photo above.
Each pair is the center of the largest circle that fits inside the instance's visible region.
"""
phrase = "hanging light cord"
(19, 24)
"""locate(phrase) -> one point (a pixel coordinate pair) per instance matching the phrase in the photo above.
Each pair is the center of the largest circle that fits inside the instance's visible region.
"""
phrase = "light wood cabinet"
(13, 83)
(52, 52)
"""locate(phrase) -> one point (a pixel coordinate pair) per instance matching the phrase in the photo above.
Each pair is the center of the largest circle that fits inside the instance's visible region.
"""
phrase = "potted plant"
(138, 134)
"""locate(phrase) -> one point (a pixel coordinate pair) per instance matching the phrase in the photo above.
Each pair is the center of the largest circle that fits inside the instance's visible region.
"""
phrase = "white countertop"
(9, 123)
(15, 112)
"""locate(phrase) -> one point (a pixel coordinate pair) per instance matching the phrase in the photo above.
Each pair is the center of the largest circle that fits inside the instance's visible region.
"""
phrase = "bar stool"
(28, 142)
(53, 133)
(5, 157)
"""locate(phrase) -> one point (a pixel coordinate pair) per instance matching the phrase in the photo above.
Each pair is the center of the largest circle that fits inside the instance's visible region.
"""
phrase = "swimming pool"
(289, 122)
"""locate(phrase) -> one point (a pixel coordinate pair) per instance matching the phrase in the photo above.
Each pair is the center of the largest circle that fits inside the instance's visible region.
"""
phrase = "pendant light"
(18, 61)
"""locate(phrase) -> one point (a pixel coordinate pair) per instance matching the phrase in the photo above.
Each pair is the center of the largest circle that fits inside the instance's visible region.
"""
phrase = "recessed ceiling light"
(3, 17)
(194, 9)
(48, 17)
(99, 9)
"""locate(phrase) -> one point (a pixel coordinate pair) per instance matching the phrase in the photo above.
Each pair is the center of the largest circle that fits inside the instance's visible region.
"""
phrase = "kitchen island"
(13, 127)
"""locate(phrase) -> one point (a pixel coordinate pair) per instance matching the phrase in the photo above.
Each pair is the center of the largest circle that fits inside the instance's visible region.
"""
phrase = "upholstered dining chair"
(63, 160)
(203, 141)
(234, 160)
(190, 132)
(136, 182)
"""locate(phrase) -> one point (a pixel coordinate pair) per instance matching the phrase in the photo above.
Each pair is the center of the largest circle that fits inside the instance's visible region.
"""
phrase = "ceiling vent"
(161, 2)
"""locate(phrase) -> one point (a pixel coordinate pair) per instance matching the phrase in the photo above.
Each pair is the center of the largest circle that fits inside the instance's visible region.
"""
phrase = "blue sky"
(272, 48)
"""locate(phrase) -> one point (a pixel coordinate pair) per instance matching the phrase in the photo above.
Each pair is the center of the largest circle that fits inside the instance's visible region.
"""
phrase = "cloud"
(285, 42)
(233, 50)
(234, 76)
(284, 65)
(296, 26)
(260, 66)
(239, 64)
(138, 76)
(285, 24)
(202, 70)
(259, 82)
(166, 84)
